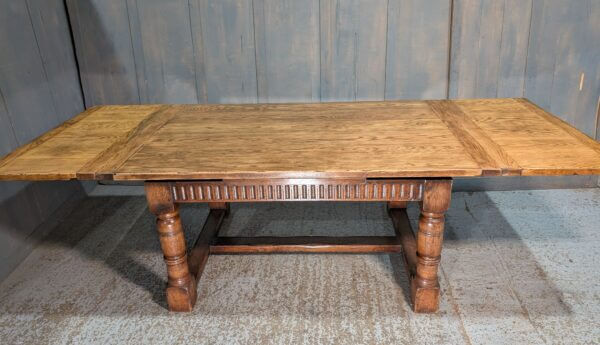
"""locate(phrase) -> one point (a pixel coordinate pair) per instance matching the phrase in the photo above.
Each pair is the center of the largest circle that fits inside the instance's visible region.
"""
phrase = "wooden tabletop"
(480, 137)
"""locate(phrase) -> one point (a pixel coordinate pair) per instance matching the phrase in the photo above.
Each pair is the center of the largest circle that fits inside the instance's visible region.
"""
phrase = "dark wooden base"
(305, 244)
(423, 299)
(421, 254)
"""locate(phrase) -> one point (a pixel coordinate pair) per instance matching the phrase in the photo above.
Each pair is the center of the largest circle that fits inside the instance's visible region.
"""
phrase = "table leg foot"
(181, 285)
(425, 288)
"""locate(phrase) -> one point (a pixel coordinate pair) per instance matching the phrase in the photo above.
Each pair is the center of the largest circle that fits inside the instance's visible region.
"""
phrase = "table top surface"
(446, 138)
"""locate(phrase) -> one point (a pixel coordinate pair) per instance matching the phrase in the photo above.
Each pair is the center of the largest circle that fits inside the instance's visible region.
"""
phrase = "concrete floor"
(517, 268)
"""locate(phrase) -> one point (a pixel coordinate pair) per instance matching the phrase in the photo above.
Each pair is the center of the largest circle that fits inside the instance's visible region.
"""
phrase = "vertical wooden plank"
(353, 48)
(586, 107)
(168, 54)
(466, 22)
(513, 48)
(137, 51)
(104, 51)
(541, 55)
(223, 35)
(287, 50)
(568, 58)
(103, 48)
(562, 64)
(490, 41)
(489, 48)
(51, 29)
(417, 49)
(476, 42)
(23, 83)
(8, 140)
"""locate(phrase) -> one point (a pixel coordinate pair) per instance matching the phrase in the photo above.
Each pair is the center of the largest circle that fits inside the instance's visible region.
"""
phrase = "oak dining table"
(390, 151)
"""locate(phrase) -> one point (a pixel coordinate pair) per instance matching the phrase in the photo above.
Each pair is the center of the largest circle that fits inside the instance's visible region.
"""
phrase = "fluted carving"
(297, 190)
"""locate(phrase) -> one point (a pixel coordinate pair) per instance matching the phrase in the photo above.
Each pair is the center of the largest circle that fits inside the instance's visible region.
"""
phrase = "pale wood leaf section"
(60, 153)
(540, 143)
(315, 140)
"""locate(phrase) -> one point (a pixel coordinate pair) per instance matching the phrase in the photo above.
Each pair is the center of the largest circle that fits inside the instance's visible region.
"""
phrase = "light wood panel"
(60, 153)
(351, 140)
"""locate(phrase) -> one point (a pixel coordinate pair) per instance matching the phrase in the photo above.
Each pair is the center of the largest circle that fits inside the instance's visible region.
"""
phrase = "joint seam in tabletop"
(109, 160)
(476, 143)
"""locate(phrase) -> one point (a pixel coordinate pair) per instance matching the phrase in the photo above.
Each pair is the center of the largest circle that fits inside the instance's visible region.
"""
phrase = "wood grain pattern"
(181, 283)
(329, 140)
(60, 153)
(305, 244)
(297, 190)
(490, 156)
(102, 165)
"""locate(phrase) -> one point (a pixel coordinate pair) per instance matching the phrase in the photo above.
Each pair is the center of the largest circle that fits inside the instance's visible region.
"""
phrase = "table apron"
(297, 190)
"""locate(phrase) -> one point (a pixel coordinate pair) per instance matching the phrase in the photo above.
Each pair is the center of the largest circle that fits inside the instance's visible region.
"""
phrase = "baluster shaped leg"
(425, 287)
(181, 287)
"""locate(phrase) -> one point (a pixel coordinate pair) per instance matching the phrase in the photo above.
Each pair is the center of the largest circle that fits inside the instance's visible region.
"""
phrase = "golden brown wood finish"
(425, 286)
(102, 166)
(305, 244)
(329, 140)
(422, 255)
(60, 153)
(489, 155)
(181, 287)
(201, 250)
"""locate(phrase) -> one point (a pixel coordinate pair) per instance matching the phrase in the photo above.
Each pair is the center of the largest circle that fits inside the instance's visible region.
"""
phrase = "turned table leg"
(425, 287)
(181, 287)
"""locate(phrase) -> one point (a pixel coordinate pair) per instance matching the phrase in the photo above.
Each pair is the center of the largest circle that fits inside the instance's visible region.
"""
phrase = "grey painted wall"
(39, 89)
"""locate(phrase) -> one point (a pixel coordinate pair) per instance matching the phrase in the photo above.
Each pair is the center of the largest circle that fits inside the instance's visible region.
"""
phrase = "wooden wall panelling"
(53, 38)
(39, 88)
(353, 48)
(576, 77)
(104, 51)
(51, 27)
(417, 49)
(560, 51)
(513, 48)
(489, 46)
(223, 36)
(167, 52)
(23, 81)
(287, 50)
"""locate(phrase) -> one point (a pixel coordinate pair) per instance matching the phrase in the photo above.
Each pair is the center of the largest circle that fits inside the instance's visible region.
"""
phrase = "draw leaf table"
(395, 152)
